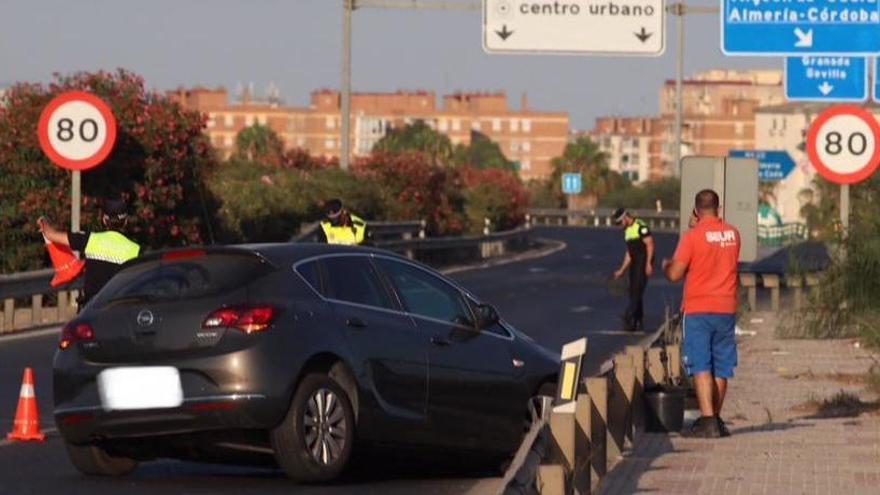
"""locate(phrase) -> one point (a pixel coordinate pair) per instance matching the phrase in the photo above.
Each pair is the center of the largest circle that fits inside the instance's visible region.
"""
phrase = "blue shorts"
(710, 344)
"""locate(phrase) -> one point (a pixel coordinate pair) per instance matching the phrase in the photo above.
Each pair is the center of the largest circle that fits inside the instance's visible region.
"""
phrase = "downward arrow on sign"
(504, 33)
(825, 88)
(643, 35)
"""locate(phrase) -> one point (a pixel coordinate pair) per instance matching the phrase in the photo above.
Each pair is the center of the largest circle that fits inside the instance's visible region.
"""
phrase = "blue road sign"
(773, 165)
(793, 27)
(826, 78)
(876, 85)
(571, 183)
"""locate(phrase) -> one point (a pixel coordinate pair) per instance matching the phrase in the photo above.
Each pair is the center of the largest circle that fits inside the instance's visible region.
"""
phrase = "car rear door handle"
(440, 341)
(356, 323)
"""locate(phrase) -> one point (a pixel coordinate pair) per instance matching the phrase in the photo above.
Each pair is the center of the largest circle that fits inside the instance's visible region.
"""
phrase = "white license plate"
(148, 387)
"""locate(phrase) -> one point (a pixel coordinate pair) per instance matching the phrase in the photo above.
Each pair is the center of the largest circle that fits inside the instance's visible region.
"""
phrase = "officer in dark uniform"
(104, 252)
(639, 259)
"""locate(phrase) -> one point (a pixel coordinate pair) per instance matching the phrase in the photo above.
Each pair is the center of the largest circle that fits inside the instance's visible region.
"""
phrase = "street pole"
(345, 137)
(75, 200)
(844, 209)
(679, 10)
(679, 76)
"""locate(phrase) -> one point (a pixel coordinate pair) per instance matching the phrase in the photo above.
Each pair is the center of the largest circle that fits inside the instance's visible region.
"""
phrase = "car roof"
(287, 253)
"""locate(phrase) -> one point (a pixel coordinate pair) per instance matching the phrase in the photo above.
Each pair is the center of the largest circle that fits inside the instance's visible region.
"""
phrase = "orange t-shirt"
(711, 252)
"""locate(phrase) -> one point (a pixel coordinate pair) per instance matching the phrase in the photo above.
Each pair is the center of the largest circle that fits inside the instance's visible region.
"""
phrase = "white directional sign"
(610, 27)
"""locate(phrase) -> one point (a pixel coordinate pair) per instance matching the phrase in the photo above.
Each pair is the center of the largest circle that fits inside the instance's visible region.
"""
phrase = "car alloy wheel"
(324, 425)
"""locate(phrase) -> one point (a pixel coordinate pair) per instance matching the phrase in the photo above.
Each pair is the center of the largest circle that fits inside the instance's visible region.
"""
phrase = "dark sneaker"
(705, 427)
(722, 428)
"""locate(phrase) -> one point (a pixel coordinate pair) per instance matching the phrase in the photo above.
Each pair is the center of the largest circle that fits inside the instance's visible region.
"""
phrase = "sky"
(296, 44)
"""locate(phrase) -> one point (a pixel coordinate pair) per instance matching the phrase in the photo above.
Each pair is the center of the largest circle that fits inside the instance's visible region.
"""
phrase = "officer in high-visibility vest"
(639, 259)
(104, 252)
(340, 226)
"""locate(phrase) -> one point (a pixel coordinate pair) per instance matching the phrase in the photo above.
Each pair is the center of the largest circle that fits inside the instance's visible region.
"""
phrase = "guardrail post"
(619, 403)
(563, 432)
(750, 281)
(422, 229)
(812, 280)
(600, 436)
(771, 281)
(582, 445)
(656, 372)
(8, 315)
(796, 282)
(673, 354)
(551, 480)
(638, 417)
(528, 221)
(36, 310)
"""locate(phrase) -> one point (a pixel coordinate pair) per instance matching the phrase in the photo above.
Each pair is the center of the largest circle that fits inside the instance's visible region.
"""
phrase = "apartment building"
(718, 114)
(527, 137)
(627, 142)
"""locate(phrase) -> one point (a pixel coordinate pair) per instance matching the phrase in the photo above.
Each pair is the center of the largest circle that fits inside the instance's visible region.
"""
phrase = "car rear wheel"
(94, 461)
(315, 440)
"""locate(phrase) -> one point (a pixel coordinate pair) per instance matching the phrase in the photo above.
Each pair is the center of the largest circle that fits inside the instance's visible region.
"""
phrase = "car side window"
(353, 279)
(311, 272)
(426, 295)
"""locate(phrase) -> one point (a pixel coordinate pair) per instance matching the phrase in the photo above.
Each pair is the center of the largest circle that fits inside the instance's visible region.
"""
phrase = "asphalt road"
(554, 299)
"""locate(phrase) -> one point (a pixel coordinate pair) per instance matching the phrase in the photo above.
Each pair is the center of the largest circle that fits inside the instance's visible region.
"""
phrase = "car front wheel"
(315, 440)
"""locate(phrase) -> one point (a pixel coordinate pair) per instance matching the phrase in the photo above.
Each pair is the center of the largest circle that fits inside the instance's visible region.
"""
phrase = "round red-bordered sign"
(842, 144)
(77, 130)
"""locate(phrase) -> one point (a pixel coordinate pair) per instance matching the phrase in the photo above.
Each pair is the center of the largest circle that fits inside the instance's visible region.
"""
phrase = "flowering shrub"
(493, 193)
(158, 165)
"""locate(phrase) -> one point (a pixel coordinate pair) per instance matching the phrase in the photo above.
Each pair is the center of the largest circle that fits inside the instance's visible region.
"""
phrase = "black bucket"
(664, 409)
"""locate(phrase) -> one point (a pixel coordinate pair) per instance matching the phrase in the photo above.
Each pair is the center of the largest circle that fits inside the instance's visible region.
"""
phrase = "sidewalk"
(783, 440)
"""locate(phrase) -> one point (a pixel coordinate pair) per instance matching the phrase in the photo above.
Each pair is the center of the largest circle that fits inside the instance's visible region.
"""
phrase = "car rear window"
(185, 278)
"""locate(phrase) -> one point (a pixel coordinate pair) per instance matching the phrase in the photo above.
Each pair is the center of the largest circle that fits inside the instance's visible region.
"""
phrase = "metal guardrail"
(570, 453)
(665, 221)
(406, 238)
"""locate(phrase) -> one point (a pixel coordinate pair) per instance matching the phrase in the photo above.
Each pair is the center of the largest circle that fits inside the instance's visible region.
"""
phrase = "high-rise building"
(529, 138)
(627, 143)
(718, 114)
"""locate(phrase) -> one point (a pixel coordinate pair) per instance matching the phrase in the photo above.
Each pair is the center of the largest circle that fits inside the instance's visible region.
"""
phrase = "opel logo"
(145, 318)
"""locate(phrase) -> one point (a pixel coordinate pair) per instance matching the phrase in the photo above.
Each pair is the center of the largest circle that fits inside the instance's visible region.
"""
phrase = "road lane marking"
(537, 269)
(581, 309)
(29, 334)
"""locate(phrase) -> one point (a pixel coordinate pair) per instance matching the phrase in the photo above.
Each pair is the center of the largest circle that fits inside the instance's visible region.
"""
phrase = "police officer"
(340, 226)
(104, 252)
(639, 259)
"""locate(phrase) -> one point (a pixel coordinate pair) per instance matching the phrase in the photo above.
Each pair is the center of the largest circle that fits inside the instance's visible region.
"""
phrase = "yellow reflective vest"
(111, 247)
(345, 234)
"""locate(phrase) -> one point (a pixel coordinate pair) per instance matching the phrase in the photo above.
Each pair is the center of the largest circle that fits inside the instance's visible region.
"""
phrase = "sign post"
(614, 27)
(77, 131)
(842, 145)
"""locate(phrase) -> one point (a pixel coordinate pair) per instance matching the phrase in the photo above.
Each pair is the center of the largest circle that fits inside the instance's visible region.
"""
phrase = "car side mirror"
(487, 316)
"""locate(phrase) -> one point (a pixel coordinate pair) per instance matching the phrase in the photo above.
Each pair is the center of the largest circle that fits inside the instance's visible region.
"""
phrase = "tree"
(415, 188)
(481, 153)
(584, 156)
(159, 165)
(495, 194)
(417, 137)
(259, 143)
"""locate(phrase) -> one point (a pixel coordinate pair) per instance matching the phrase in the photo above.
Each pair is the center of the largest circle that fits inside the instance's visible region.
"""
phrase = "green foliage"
(158, 165)
(846, 303)
(259, 143)
(416, 137)
(584, 156)
(495, 194)
(645, 196)
(545, 194)
(481, 153)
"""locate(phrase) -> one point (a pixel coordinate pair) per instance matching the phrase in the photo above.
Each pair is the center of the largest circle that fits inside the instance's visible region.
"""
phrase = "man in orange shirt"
(707, 257)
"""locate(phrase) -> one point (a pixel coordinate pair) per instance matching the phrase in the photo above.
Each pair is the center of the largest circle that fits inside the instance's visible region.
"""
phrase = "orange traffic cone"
(27, 415)
(67, 266)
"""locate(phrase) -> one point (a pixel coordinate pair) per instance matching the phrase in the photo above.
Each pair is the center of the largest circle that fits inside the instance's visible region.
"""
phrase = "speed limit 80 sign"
(77, 130)
(842, 144)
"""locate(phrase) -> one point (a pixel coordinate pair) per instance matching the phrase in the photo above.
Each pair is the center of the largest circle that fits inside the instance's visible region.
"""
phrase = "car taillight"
(75, 332)
(248, 319)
